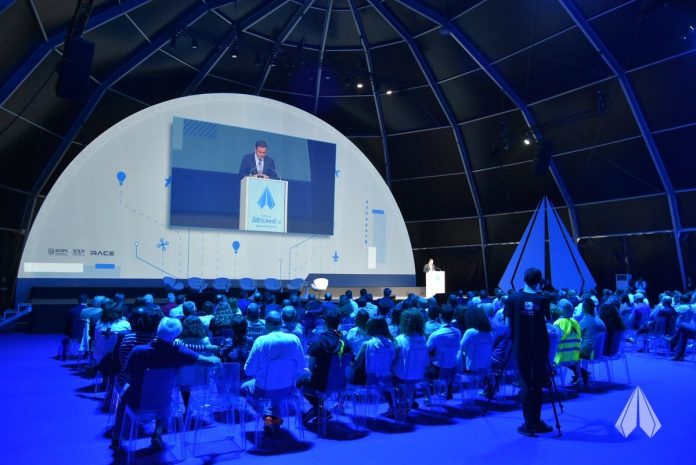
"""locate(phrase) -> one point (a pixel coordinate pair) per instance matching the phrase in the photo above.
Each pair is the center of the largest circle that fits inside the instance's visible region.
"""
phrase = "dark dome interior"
(603, 91)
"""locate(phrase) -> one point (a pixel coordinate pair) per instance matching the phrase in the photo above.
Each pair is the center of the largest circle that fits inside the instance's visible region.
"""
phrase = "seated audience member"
(90, 315)
(271, 304)
(459, 314)
(351, 301)
(234, 306)
(409, 365)
(668, 314)
(554, 332)
(610, 316)
(106, 331)
(144, 322)
(160, 353)
(443, 345)
(358, 333)
(386, 301)
(267, 348)
(626, 310)
(330, 343)
(476, 344)
(171, 303)
(221, 323)
(641, 312)
(255, 325)
(500, 360)
(74, 326)
(375, 358)
(684, 310)
(568, 352)
(345, 309)
(189, 309)
(178, 310)
(433, 322)
(395, 322)
(120, 299)
(237, 348)
(194, 336)
(327, 305)
(290, 323)
(205, 313)
(370, 306)
(590, 326)
(243, 301)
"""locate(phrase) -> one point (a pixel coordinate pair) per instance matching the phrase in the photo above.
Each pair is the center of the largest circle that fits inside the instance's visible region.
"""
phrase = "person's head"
(311, 298)
(488, 309)
(261, 149)
(361, 318)
(483, 293)
(119, 298)
(685, 299)
(97, 300)
(145, 319)
(171, 298)
(412, 323)
(180, 299)
(258, 298)
(532, 277)
(149, 299)
(110, 311)
(666, 301)
(431, 261)
(363, 291)
(239, 327)
(328, 297)
(588, 306)
(446, 314)
(477, 319)
(349, 293)
(362, 302)
(192, 326)
(433, 312)
(383, 308)
(207, 308)
(289, 314)
(387, 292)
(378, 327)
(189, 308)
(452, 299)
(168, 329)
(273, 321)
(332, 319)
(233, 304)
(223, 315)
(253, 312)
(459, 315)
(566, 308)
(82, 298)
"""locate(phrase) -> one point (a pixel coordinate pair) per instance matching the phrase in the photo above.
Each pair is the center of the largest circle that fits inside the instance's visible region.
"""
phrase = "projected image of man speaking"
(258, 164)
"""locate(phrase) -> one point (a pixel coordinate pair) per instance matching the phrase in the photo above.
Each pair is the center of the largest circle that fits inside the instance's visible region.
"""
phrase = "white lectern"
(434, 283)
(263, 205)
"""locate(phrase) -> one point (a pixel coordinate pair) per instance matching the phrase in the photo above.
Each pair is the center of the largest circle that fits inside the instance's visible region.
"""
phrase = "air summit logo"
(638, 412)
(266, 199)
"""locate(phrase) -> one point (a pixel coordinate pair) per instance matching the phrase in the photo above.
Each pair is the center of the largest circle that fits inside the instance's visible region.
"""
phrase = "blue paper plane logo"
(638, 412)
(266, 199)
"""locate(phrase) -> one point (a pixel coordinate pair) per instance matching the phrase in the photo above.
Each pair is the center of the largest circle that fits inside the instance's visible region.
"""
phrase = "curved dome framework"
(602, 91)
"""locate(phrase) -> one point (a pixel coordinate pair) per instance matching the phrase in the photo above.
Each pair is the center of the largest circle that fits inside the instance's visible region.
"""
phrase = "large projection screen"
(112, 214)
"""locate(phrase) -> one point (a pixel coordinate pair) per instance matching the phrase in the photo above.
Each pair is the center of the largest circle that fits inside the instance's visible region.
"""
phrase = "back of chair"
(378, 363)
(225, 378)
(222, 284)
(336, 379)
(279, 377)
(192, 376)
(598, 345)
(478, 357)
(247, 284)
(295, 285)
(415, 360)
(156, 393)
(613, 344)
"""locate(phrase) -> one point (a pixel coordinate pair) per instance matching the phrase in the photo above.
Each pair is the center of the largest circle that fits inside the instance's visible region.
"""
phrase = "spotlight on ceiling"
(234, 52)
(527, 141)
(689, 31)
(359, 85)
(194, 43)
(389, 92)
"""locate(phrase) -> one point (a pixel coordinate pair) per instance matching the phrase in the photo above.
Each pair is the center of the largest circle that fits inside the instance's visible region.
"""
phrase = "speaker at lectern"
(263, 205)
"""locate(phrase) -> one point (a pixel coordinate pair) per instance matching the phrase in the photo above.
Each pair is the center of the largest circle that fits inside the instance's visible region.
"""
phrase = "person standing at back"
(527, 312)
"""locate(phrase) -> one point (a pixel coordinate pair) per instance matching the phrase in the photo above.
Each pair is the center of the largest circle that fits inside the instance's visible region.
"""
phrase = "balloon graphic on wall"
(235, 246)
(121, 176)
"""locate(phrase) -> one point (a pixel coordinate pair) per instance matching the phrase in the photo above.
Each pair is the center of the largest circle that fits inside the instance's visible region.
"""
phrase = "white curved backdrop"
(108, 215)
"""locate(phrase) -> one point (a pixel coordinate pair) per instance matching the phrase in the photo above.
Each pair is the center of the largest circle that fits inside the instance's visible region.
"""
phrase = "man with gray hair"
(290, 323)
(274, 352)
(160, 353)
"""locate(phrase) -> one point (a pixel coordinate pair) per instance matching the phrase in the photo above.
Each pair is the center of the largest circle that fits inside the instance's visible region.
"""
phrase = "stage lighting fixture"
(389, 92)
(527, 141)
(194, 43)
(689, 31)
(359, 85)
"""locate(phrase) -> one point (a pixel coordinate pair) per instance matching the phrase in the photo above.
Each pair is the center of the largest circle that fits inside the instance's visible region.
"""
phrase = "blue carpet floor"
(49, 415)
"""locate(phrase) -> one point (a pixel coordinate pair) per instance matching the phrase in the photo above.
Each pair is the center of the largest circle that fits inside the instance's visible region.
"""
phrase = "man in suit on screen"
(258, 164)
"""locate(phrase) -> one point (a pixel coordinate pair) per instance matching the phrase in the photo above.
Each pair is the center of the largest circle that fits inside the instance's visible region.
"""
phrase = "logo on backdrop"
(266, 199)
(61, 252)
(638, 412)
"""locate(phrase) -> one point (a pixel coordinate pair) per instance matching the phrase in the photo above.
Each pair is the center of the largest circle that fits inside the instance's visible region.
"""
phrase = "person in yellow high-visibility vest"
(568, 352)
